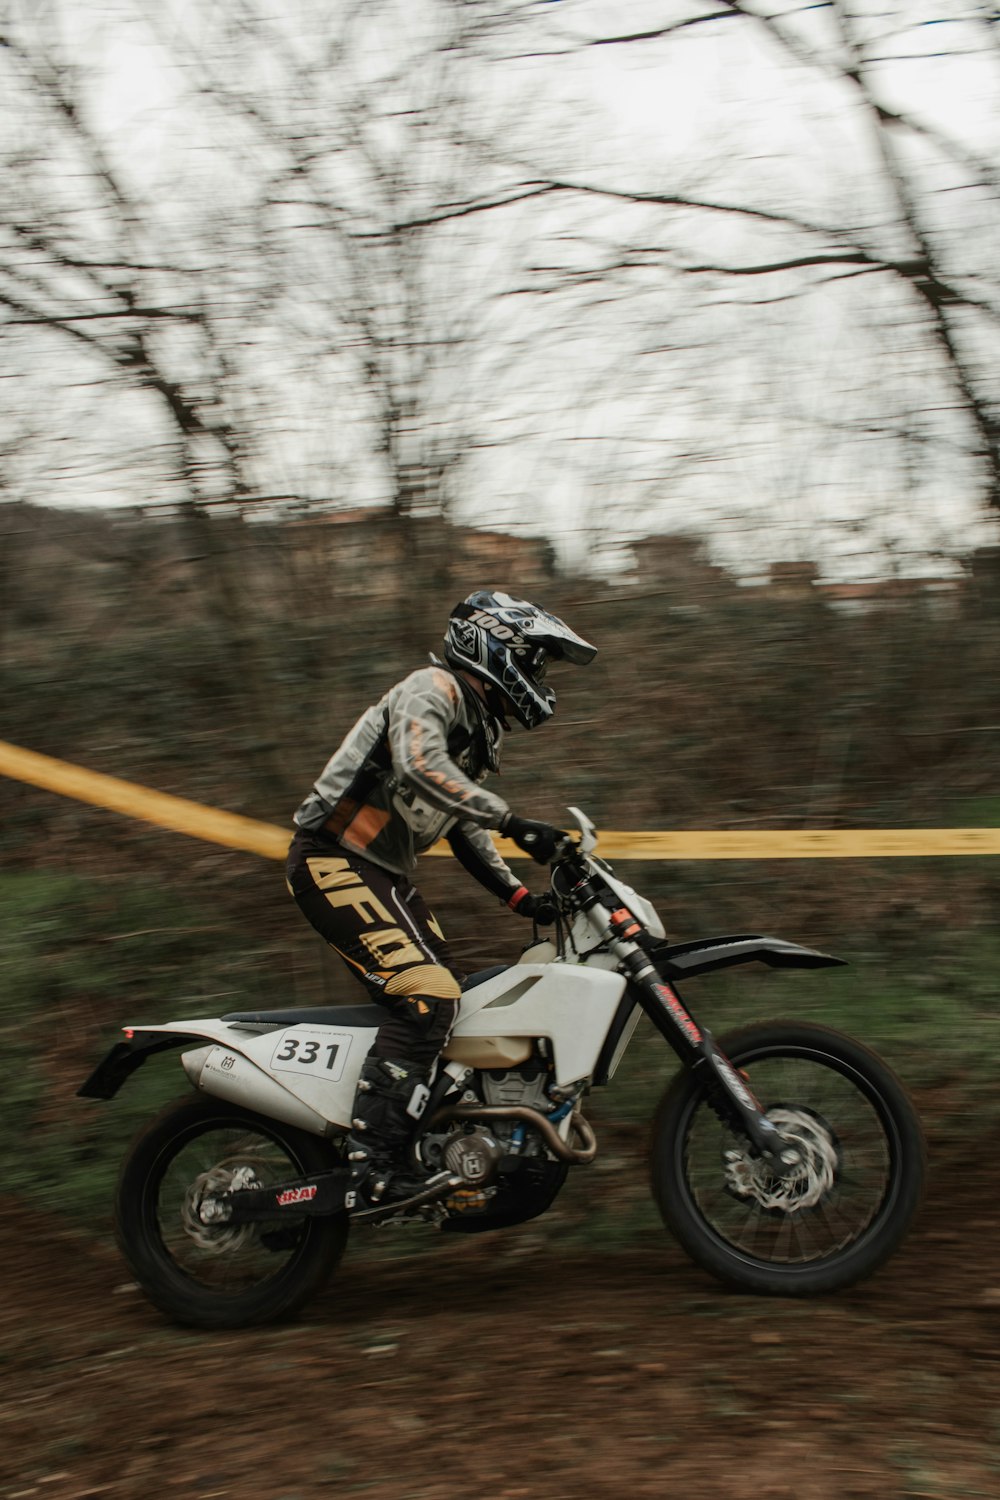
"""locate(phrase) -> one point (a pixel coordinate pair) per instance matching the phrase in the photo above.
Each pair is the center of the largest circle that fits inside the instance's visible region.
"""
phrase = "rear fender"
(238, 1064)
(680, 960)
(124, 1058)
(118, 1065)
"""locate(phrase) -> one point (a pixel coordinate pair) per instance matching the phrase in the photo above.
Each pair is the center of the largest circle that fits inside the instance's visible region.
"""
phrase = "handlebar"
(566, 847)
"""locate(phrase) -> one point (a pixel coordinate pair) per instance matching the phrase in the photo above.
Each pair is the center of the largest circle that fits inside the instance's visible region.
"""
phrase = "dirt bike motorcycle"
(786, 1157)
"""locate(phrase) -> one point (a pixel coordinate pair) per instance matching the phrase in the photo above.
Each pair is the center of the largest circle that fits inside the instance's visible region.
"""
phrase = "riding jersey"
(409, 773)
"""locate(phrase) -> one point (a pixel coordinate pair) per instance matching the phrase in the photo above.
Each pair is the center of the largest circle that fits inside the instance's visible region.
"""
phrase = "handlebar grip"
(566, 846)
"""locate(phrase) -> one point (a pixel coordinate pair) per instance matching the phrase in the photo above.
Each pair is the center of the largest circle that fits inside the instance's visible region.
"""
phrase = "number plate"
(321, 1054)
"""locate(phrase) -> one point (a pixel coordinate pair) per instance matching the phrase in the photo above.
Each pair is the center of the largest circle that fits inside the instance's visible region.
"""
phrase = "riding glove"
(540, 908)
(537, 839)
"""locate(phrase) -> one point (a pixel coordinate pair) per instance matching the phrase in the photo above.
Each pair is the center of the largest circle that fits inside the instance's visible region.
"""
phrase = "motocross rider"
(407, 774)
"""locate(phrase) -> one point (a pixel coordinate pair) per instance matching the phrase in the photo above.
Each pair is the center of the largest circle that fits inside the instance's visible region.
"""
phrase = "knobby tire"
(159, 1254)
(877, 1184)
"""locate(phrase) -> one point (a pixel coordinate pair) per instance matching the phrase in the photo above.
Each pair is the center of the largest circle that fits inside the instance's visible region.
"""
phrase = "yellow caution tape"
(236, 832)
(800, 843)
(175, 813)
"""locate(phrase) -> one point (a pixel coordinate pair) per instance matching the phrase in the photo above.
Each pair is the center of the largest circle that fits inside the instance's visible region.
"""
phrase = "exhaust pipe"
(579, 1128)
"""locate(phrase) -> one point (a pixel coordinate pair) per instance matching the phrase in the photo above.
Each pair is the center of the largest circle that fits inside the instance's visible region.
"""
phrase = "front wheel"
(221, 1276)
(861, 1164)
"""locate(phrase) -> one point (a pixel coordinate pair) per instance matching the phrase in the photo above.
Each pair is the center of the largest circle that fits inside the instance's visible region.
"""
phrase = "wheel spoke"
(220, 1274)
(845, 1178)
(229, 1258)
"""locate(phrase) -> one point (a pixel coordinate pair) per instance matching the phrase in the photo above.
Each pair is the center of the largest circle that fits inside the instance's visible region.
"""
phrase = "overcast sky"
(780, 416)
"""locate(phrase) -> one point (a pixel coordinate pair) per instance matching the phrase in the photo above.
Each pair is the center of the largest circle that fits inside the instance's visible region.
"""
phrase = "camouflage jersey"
(409, 773)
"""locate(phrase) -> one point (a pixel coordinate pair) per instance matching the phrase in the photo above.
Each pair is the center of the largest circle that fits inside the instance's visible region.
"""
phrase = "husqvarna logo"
(227, 1063)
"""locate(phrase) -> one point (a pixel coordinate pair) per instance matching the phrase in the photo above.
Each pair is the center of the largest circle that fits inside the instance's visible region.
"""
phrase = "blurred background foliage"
(318, 317)
(710, 705)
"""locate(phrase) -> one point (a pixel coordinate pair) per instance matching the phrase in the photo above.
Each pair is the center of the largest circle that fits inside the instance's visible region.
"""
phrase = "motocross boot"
(380, 1130)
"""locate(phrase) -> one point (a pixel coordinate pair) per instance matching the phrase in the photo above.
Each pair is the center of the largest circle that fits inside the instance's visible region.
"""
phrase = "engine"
(474, 1150)
(523, 1086)
(473, 1155)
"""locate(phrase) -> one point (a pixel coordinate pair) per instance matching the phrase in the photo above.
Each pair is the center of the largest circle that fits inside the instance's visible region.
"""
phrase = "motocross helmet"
(507, 643)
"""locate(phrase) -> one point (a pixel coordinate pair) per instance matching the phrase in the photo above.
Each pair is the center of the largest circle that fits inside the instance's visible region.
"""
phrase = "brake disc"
(202, 1214)
(801, 1186)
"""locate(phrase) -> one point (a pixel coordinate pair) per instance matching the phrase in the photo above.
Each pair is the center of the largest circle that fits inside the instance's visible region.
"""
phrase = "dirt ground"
(504, 1368)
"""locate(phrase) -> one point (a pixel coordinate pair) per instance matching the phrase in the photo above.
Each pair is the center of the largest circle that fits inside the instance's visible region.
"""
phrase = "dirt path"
(507, 1369)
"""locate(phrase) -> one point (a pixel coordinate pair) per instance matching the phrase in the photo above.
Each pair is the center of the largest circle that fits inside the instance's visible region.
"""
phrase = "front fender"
(679, 960)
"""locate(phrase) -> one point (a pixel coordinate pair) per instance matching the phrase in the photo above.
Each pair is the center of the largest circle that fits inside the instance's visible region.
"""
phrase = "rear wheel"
(852, 1198)
(221, 1276)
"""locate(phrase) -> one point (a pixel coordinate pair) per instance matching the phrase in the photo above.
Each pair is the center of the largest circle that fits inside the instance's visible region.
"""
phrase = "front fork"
(734, 1100)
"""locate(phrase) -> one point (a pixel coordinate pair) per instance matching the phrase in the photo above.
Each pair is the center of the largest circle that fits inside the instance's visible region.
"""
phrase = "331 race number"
(320, 1053)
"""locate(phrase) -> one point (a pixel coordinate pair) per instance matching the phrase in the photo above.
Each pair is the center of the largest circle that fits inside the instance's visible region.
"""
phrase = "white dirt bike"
(786, 1157)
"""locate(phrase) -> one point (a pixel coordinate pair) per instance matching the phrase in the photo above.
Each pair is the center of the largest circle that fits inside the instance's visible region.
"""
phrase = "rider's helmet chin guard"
(507, 643)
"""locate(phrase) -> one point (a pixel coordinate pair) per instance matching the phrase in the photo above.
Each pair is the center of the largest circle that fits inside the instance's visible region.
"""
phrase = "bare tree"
(320, 275)
(818, 227)
(85, 271)
(409, 255)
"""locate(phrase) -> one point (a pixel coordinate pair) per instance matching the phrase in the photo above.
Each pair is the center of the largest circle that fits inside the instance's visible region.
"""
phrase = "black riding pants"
(383, 929)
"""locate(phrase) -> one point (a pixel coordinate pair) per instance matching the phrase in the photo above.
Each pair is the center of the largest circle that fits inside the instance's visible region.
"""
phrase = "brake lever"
(566, 846)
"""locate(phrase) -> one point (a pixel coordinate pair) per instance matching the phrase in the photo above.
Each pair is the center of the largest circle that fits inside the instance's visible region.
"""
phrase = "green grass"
(81, 957)
(933, 1015)
(977, 812)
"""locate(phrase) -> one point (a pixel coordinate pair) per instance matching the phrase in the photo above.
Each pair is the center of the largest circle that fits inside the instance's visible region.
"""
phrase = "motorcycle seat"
(310, 1015)
(481, 975)
(336, 1015)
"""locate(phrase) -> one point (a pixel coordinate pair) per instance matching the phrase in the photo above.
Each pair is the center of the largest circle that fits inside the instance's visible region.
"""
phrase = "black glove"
(540, 908)
(537, 839)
